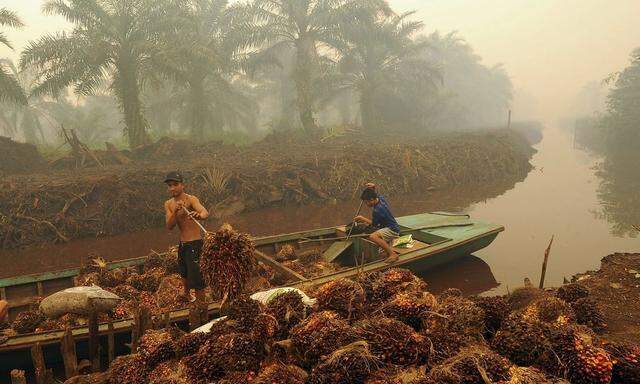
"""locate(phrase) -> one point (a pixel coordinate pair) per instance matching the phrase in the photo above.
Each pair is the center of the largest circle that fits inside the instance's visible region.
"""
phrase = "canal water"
(559, 198)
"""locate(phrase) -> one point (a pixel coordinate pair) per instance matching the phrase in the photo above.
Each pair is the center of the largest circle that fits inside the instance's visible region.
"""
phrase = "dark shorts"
(188, 263)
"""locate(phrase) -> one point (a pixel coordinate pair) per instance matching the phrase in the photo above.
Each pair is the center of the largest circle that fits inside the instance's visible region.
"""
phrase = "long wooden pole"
(544, 263)
(69, 357)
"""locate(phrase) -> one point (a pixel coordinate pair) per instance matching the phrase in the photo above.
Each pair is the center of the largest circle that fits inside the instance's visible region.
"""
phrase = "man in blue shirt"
(382, 220)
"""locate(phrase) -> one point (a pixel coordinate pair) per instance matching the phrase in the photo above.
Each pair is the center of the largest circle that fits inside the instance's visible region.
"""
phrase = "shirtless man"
(179, 210)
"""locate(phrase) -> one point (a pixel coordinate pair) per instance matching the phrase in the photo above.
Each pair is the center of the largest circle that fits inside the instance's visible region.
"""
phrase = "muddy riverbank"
(280, 171)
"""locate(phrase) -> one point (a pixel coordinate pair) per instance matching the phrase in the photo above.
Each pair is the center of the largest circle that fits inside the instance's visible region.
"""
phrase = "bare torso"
(189, 230)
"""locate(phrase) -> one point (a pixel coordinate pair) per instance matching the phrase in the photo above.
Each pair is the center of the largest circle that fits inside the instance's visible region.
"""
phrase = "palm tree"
(10, 90)
(111, 41)
(278, 25)
(379, 58)
(202, 61)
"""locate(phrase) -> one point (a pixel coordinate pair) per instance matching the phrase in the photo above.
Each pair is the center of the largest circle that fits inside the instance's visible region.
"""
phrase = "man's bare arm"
(199, 209)
(171, 217)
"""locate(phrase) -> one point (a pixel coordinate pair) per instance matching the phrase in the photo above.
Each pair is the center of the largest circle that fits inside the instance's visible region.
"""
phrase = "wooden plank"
(39, 288)
(94, 341)
(38, 364)
(69, 357)
(336, 250)
(274, 264)
(111, 342)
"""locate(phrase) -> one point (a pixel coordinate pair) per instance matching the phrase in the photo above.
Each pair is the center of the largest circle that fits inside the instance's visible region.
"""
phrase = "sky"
(551, 48)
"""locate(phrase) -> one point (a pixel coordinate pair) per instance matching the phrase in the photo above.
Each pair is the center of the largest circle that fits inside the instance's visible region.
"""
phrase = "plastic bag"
(266, 296)
(79, 300)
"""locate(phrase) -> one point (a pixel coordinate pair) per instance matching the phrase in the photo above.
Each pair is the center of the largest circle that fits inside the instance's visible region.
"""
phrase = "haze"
(550, 48)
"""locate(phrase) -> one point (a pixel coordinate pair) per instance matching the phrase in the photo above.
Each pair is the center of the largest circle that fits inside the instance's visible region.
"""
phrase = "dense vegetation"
(205, 68)
(616, 136)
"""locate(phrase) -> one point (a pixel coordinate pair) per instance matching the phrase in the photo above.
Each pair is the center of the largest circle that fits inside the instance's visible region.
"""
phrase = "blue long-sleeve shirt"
(382, 217)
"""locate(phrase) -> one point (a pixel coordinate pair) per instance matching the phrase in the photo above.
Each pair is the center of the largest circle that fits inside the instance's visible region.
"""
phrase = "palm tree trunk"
(198, 107)
(368, 109)
(129, 96)
(305, 52)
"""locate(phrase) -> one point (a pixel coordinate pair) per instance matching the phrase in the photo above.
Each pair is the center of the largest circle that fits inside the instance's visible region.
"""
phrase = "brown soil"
(61, 205)
(19, 157)
(616, 289)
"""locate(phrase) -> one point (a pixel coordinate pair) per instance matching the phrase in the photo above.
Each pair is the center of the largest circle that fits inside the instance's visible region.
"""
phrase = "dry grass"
(216, 179)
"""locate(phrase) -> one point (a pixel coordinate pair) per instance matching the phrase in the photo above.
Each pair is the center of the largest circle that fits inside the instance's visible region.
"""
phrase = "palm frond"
(10, 89)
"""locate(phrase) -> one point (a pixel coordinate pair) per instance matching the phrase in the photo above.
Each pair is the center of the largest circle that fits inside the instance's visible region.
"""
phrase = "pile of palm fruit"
(389, 330)
(226, 257)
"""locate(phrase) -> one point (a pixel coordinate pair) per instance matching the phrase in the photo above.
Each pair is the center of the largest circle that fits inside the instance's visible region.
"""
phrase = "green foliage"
(10, 90)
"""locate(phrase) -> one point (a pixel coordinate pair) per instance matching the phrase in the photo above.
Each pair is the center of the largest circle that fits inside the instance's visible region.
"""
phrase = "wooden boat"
(438, 238)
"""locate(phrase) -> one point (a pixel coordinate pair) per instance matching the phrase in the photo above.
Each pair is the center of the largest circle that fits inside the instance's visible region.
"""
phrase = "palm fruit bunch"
(168, 372)
(410, 308)
(572, 292)
(287, 252)
(289, 309)
(156, 346)
(169, 294)
(264, 327)
(227, 261)
(522, 297)
(526, 375)
(320, 334)
(450, 292)
(148, 281)
(189, 343)
(126, 292)
(387, 375)
(589, 313)
(454, 323)
(86, 279)
(380, 286)
(470, 365)
(550, 310)
(576, 357)
(309, 256)
(27, 321)
(237, 378)
(352, 363)
(243, 310)
(167, 260)
(148, 300)
(344, 296)
(234, 352)
(281, 374)
(392, 341)
(496, 309)
(522, 341)
(626, 363)
(127, 369)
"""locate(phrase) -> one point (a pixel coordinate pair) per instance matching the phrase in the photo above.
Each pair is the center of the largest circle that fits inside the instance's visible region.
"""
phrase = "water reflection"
(470, 274)
(619, 193)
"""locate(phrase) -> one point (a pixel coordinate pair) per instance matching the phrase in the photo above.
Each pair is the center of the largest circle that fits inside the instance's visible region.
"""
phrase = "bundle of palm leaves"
(393, 342)
(352, 363)
(344, 296)
(227, 261)
(320, 334)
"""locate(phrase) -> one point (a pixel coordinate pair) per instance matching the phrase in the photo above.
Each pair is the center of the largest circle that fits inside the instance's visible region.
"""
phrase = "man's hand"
(360, 219)
(370, 185)
(194, 215)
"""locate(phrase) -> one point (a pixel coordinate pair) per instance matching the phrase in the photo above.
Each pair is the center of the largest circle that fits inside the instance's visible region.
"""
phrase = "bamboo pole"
(94, 341)
(544, 263)
(111, 341)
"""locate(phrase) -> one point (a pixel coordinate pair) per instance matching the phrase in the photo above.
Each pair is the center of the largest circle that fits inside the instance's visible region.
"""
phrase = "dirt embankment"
(101, 201)
(616, 288)
(19, 157)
